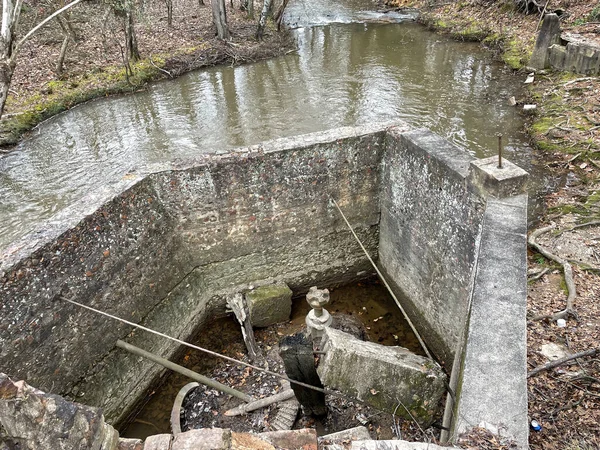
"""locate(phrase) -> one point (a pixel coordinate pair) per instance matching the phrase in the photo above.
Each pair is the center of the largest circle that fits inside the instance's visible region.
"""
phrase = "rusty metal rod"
(499, 151)
(183, 371)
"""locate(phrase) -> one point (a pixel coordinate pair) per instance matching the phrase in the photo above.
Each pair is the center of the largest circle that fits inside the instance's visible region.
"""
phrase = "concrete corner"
(269, 304)
(489, 179)
(549, 34)
(381, 376)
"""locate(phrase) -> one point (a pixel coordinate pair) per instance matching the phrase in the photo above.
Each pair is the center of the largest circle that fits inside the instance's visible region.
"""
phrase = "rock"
(202, 439)
(32, 419)
(549, 35)
(304, 439)
(130, 444)
(269, 304)
(337, 440)
(395, 445)
(351, 325)
(383, 377)
(249, 441)
(158, 442)
(554, 351)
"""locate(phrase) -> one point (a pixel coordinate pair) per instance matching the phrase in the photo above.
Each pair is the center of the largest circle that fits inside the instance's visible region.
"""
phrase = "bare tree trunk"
(132, 51)
(220, 19)
(249, 5)
(6, 72)
(69, 35)
(262, 21)
(169, 13)
(278, 16)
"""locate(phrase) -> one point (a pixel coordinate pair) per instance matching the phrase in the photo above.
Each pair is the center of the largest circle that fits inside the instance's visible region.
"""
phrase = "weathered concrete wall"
(167, 250)
(430, 222)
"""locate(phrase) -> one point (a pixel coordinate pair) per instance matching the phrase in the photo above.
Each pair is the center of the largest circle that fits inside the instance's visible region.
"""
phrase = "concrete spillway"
(164, 248)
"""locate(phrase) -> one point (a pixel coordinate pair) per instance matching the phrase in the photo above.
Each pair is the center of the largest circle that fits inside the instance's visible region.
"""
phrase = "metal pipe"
(499, 151)
(183, 371)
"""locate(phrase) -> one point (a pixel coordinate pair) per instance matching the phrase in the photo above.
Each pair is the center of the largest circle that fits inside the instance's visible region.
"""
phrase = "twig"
(542, 15)
(577, 80)
(581, 225)
(568, 272)
(574, 157)
(162, 70)
(539, 275)
(561, 361)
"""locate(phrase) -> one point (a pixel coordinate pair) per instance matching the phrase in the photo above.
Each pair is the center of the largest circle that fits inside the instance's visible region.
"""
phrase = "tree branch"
(561, 361)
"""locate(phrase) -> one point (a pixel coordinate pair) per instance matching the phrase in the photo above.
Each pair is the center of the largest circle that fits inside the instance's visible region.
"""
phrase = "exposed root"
(568, 273)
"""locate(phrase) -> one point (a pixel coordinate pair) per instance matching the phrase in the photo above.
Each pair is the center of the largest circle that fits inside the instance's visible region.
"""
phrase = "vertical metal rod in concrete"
(184, 371)
(499, 151)
(412, 327)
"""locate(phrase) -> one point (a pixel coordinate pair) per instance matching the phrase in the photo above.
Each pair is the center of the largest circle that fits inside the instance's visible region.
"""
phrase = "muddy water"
(342, 74)
(368, 300)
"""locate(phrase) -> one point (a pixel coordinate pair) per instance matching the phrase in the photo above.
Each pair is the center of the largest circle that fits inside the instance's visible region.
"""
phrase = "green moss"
(473, 33)
(515, 55)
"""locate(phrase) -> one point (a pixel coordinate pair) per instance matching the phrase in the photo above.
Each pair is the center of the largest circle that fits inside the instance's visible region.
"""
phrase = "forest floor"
(94, 65)
(565, 131)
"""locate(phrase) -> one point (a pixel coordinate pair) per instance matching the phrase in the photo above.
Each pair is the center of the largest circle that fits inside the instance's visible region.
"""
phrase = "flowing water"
(345, 73)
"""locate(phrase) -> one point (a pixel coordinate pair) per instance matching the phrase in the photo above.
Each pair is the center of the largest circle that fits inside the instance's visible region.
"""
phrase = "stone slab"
(549, 34)
(303, 439)
(269, 304)
(203, 439)
(158, 442)
(130, 444)
(341, 439)
(383, 377)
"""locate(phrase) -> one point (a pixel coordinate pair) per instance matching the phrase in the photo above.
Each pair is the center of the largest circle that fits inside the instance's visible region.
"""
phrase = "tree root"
(568, 273)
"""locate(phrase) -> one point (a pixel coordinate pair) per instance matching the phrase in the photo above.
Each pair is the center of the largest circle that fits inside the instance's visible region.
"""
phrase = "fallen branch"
(162, 70)
(568, 273)
(539, 275)
(561, 361)
(577, 80)
(581, 225)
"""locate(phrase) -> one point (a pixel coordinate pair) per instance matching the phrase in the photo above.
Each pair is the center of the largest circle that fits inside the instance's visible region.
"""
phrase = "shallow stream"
(344, 73)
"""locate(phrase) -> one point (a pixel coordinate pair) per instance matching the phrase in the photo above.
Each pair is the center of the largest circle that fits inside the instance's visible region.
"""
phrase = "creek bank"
(94, 68)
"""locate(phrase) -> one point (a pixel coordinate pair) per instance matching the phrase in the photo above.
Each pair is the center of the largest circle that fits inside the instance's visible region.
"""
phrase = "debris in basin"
(392, 379)
(237, 303)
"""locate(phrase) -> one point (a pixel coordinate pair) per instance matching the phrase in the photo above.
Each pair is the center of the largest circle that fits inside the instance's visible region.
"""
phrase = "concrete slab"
(383, 377)
(158, 442)
(499, 182)
(269, 304)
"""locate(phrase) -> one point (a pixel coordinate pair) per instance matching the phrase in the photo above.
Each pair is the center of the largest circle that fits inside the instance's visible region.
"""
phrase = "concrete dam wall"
(164, 249)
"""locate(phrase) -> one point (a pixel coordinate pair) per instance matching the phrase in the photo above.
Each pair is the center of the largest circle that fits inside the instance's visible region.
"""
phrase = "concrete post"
(318, 318)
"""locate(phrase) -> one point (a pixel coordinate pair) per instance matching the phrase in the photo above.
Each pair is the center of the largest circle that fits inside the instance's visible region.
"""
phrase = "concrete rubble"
(387, 378)
(269, 304)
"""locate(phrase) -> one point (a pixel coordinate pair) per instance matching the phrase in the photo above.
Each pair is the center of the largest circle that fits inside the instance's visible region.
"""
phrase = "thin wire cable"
(384, 281)
(210, 352)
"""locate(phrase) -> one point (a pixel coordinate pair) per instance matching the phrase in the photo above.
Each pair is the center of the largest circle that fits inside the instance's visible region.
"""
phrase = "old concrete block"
(549, 34)
(384, 377)
(304, 439)
(488, 178)
(32, 419)
(158, 442)
(203, 439)
(557, 55)
(269, 304)
(130, 444)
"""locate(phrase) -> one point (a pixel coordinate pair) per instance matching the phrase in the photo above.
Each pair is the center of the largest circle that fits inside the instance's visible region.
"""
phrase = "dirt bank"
(94, 65)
